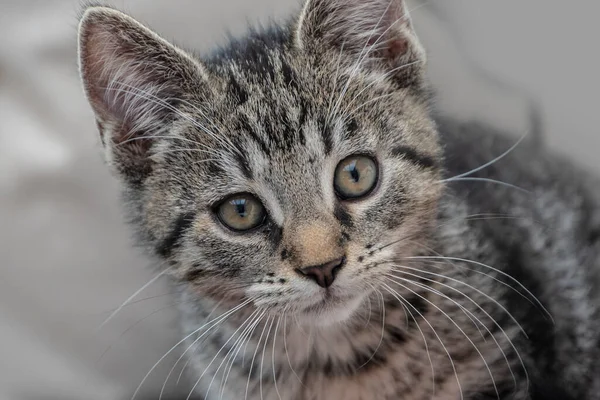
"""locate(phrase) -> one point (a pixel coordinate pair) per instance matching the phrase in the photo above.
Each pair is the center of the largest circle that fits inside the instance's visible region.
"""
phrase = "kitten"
(334, 239)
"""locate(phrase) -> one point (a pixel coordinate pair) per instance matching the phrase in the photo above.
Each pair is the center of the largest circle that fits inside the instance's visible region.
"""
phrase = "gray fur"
(272, 114)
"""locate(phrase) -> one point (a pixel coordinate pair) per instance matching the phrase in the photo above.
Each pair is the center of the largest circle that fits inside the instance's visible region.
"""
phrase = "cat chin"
(331, 312)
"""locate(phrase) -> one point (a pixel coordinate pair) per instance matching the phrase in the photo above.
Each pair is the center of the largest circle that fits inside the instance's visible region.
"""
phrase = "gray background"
(65, 255)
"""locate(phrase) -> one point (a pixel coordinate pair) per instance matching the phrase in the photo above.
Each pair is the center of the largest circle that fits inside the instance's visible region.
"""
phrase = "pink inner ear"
(99, 58)
(104, 61)
(397, 48)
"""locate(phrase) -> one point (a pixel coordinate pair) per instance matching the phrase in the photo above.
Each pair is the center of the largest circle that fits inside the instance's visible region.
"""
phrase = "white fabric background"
(65, 255)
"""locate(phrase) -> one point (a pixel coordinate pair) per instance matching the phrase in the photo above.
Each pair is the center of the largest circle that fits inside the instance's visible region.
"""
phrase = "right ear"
(134, 80)
(376, 34)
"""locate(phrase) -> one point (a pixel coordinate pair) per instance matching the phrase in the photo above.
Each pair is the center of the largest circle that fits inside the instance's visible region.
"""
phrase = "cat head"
(286, 168)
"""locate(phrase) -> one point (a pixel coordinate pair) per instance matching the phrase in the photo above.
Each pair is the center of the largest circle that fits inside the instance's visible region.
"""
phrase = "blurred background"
(66, 257)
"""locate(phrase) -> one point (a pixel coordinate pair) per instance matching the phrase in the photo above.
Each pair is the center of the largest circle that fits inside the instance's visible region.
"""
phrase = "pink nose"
(323, 274)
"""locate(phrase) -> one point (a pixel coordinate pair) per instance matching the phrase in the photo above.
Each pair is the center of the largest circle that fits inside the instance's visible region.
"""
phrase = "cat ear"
(134, 81)
(375, 33)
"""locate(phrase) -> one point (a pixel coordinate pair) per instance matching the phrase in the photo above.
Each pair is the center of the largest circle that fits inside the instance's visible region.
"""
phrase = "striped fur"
(446, 284)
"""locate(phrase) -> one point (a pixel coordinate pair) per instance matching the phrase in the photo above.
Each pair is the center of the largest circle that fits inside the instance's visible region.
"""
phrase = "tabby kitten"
(331, 237)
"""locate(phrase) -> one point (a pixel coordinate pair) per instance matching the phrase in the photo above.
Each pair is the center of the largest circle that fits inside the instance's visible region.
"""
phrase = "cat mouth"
(329, 300)
(332, 308)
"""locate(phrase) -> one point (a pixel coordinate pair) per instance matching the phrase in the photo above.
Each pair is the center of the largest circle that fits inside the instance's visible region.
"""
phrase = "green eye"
(355, 177)
(241, 212)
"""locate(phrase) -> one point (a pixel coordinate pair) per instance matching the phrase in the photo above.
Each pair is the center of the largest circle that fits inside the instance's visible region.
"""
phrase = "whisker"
(136, 323)
(171, 137)
(374, 82)
(407, 312)
(137, 301)
(444, 261)
(487, 315)
(286, 349)
(487, 180)
(493, 216)
(194, 343)
(273, 357)
(242, 325)
(218, 320)
(495, 160)
(248, 336)
(360, 59)
(402, 300)
(539, 303)
(472, 288)
(382, 330)
(133, 296)
(402, 239)
(184, 150)
(373, 100)
(233, 351)
(222, 139)
(370, 310)
(262, 360)
(198, 344)
(477, 323)
(254, 356)
(455, 324)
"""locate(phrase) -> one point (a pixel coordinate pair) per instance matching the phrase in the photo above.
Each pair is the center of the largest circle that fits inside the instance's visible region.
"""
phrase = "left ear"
(375, 33)
(135, 81)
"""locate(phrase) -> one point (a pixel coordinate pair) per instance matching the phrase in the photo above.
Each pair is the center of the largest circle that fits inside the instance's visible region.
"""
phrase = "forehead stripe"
(173, 239)
(245, 126)
(411, 155)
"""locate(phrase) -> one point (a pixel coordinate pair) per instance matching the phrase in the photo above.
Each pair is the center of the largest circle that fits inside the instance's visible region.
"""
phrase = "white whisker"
(248, 336)
(218, 320)
(262, 360)
(407, 312)
(130, 298)
(286, 349)
(362, 57)
(402, 300)
(360, 60)
(222, 139)
(382, 330)
(366, 103)
(495, 160)
(487, 315)
(453, 323)
(539, 303)
(198, 344)
(217, 354)
(254, 356)
(273, 358)
(472, 288)
(234, 350)
(136, 323)
(488, 180)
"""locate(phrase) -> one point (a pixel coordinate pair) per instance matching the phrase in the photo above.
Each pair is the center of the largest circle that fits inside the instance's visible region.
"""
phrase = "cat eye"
(241, 212)
(355, 176)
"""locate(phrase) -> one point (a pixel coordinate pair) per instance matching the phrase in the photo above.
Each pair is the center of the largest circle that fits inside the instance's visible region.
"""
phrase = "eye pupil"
(240, 207)
(241, 212)
(353, 172)
(355, 177)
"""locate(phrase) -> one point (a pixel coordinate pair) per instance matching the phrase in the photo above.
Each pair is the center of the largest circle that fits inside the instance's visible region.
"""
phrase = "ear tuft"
(375, 33)
(134, 81)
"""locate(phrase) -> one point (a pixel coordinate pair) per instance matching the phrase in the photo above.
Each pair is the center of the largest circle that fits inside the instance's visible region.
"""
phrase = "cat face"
(286, 168)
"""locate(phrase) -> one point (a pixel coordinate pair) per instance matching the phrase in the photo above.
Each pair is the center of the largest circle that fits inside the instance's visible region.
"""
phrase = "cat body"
(519, 233)
(331, 238)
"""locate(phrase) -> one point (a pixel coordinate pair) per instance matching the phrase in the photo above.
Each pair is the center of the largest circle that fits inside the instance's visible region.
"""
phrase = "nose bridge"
(310, 232)
(315, 242)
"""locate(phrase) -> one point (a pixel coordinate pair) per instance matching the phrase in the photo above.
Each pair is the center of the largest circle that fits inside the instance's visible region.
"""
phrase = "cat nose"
(323, 274)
